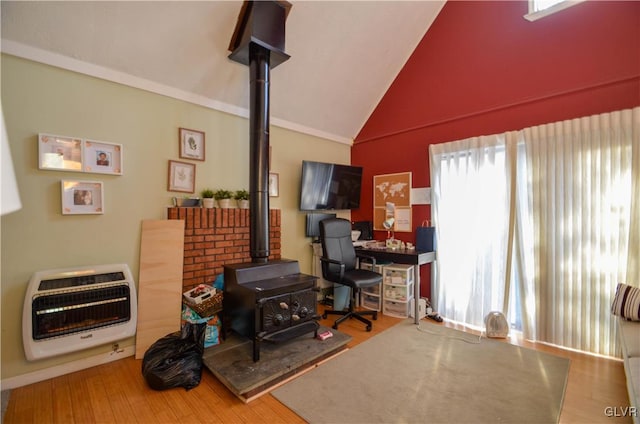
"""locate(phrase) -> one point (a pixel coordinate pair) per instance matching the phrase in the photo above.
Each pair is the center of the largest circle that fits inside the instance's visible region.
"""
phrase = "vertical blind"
(567, 212)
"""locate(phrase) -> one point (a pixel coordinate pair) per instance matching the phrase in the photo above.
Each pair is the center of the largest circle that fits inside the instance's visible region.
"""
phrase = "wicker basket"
(207, 308)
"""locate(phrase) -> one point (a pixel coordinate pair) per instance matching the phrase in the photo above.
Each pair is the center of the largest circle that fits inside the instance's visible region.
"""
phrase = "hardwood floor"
(117, 393)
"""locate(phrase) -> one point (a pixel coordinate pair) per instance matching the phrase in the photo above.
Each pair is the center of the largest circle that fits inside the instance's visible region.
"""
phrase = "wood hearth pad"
(232, 361)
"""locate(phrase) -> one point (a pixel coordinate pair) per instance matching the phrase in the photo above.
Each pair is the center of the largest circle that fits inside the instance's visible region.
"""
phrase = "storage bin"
(371, 297)
(398, 274)
(395, 309)
(397, 289)
(372, 290)
(401, 292)
(371, 302)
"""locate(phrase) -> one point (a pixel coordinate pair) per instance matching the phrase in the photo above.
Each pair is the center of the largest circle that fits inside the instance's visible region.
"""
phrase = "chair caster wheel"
(368, 328)
(334, 326)
(324, 316)
(375, 317)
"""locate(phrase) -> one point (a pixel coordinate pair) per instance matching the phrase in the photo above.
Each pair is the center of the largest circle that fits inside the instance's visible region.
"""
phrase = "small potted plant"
(223, 197)
(207, 198)
(242, 196)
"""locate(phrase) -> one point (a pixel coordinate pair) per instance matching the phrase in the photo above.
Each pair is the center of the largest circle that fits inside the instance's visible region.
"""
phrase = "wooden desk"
(403, 256)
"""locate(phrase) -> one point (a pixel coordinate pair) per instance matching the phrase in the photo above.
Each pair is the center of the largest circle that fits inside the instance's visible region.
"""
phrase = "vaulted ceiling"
(344, 54)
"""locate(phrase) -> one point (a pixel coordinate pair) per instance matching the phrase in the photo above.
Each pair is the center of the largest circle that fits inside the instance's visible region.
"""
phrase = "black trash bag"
(176, 359)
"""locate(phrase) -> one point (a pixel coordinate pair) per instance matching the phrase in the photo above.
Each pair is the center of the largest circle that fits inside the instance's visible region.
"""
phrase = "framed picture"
(82, 197)
(59, 152)
(182, 176)
(392, 199)
(102, 158)
(191, 144)
(274, 190)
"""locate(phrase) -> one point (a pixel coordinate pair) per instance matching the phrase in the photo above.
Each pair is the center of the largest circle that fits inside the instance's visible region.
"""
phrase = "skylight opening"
(541, 8)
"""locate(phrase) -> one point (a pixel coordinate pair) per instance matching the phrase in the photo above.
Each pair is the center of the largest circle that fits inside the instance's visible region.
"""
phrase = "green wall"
(38, 98)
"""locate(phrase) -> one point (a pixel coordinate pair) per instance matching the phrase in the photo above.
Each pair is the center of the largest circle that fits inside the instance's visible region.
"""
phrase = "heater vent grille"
(70, 312)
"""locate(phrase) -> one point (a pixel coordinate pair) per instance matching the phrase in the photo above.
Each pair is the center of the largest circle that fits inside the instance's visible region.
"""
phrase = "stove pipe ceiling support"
(258, 42)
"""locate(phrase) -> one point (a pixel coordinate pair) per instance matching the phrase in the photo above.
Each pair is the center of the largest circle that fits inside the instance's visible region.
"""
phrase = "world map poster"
(392, 198)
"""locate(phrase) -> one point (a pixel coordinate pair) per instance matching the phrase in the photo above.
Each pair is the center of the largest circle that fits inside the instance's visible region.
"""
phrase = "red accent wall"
(483, 69)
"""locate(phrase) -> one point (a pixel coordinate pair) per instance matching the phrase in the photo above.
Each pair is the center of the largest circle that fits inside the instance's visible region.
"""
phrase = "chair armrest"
(367, 258)
(327, 261)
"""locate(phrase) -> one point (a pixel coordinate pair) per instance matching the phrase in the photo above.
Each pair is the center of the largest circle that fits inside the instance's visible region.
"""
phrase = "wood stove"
(264, 300)
(269, 302)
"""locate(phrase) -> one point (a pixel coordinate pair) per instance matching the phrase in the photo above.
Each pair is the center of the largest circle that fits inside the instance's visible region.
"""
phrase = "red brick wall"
(215, 237)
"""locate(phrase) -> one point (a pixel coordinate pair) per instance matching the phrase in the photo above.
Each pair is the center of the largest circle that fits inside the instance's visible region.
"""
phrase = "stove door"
(275, 313)
(303, 306)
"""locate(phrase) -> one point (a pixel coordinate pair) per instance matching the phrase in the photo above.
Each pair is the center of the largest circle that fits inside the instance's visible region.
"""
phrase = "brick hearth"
(215, 237)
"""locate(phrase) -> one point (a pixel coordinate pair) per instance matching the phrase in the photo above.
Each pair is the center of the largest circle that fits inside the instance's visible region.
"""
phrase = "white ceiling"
(344, 54)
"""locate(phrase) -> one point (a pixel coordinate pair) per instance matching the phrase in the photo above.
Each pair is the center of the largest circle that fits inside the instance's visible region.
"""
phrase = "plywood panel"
(160, 281)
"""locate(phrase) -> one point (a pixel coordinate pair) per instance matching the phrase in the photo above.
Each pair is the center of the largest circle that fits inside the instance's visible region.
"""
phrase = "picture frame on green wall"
(82, 197)
(191, 144)
(62, 153)
(181, 176)
(102, 158)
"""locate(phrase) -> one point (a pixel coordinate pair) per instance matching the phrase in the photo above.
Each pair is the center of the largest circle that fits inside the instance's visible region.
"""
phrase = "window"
(472, 186)
(541, 8)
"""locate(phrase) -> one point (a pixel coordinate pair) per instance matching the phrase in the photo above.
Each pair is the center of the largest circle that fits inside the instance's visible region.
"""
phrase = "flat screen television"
(313, 223)
(329, 186)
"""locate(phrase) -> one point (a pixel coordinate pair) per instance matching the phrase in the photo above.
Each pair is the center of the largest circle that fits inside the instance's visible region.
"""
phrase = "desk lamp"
(388, 225)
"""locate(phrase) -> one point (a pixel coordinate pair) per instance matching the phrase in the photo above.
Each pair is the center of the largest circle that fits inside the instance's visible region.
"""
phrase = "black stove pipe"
(259, 70)
(258, 41)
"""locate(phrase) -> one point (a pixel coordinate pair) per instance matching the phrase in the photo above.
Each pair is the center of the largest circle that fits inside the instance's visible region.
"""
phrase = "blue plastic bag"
(219, 282)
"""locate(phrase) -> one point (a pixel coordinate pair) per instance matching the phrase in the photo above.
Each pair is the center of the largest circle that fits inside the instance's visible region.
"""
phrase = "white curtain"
(563, 201)
(471, 186)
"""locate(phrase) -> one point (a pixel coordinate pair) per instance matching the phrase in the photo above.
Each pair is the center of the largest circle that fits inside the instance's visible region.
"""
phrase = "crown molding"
(70, 64)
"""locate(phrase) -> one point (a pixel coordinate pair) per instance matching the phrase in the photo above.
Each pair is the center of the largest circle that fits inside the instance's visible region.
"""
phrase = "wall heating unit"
(66, 310)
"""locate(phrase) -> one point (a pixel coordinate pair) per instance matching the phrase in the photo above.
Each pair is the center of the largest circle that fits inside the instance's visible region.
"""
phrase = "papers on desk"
(369, 244)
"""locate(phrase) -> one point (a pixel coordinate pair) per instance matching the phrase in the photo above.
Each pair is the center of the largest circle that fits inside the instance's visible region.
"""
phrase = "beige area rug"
(404, 375)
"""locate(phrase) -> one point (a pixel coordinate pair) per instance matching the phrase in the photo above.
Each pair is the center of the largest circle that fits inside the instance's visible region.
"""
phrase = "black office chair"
(339, 266)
